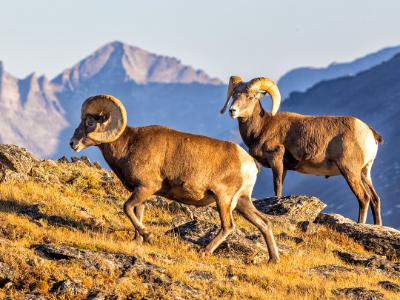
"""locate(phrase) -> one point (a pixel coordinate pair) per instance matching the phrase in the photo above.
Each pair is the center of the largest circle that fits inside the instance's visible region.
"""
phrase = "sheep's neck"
(252, 127)
(116, 152)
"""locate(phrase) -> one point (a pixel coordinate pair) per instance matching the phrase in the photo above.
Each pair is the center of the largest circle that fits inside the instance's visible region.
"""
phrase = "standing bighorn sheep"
(318, 145)
(187, 168)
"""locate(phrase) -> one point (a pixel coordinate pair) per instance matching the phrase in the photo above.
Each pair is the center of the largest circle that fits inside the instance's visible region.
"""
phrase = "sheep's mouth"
(234, 115)
(76, 146)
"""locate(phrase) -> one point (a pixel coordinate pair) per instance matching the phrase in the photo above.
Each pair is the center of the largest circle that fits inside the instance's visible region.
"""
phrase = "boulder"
(94, 260)
(15, 162)
(381, 240)
(296, 208)
(184, 212)
(379, 264)
(240, 244)
(358, 293)
(390, 286)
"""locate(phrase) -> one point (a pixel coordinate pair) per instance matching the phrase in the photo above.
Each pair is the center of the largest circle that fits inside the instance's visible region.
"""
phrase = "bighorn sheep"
(318, 145)
(156, 160)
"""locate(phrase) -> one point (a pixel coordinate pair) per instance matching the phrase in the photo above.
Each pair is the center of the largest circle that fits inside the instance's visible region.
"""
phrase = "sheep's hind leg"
(354, 181)
(375, 200)
(139, 210)
(137, 198)
(227, 224)
(246, 208)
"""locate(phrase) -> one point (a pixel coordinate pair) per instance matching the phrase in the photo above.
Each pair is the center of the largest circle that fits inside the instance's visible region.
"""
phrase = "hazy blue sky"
(249, 38)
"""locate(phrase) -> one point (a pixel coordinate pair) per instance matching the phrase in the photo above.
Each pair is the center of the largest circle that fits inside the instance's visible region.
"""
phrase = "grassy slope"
(81, 196)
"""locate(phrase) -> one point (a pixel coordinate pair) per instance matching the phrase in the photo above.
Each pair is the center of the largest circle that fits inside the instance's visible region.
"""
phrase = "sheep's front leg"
(136, 200)
(275, 159)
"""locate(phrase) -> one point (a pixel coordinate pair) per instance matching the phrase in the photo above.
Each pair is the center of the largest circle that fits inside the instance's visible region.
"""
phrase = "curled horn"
(270, 87)
(105, 105)
(233, 82)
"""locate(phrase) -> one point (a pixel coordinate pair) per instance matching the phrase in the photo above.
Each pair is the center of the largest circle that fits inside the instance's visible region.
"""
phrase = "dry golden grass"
(91, 209)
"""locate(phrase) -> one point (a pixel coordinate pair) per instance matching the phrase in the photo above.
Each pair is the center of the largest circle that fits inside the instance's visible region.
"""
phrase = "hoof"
(205, 253)
(138, 239)
(273, 261)
(148, 238)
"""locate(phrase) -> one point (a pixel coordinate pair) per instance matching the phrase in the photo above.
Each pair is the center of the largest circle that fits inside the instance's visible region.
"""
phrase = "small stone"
(330, 270)
(200, 275)
(68, 287)
(6, 274)
(63, 159)
(390, 286)
(359, 293)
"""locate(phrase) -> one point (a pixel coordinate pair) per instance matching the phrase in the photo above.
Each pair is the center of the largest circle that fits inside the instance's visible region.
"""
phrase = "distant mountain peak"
(118, 61)
(303, 78)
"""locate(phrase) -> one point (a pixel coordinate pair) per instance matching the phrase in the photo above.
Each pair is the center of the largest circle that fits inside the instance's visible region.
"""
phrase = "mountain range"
(300, 79)
(41, 114)
(155, 89)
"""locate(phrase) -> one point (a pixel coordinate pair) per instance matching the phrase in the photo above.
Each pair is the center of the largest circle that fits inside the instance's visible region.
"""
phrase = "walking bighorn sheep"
(187, 168)
(318, 145)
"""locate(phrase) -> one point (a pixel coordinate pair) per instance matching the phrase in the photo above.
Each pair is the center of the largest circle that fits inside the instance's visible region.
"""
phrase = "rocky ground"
(63, 235)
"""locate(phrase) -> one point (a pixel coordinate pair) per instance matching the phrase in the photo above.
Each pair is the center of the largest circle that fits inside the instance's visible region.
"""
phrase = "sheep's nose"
(232, 110)
(71, 143)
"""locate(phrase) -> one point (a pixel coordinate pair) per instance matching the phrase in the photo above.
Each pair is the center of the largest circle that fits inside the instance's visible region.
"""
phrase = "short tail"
(377, 136)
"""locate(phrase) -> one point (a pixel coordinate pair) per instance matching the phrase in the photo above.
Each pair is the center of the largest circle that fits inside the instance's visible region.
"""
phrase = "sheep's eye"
(90, 122)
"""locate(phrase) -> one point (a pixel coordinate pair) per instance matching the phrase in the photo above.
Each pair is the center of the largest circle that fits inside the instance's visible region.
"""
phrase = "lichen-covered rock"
(358, 293)
(296, 208)
(184, 212)
(330, 270)
(237, 245)
(6, 274)
(95, 260)
(15, 162)
(379, 264)
(381, 240)
(68, 287)
(390, 286)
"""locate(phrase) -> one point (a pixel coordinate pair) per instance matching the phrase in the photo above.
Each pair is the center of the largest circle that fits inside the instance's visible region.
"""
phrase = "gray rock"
(358, 293)
(330, 270)
(15, 162)
(184, 212)
(94, 260)
(371, 262)
(390, 286)
(187, 289)
(296, 208)
(200, 275)
(68, 287)
(6, 274)
(379, 239)
(237, 245)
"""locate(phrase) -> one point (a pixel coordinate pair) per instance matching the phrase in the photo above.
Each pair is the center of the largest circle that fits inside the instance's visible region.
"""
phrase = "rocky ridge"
(298, 217)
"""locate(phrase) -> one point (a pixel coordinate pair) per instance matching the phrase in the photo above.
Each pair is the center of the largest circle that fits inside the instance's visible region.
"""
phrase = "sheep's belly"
(318, 169)
(191, 196)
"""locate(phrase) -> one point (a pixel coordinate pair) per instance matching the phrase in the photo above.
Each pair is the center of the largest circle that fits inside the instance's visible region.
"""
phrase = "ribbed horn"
(233, 82)
(270, 87)
(106, 105)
